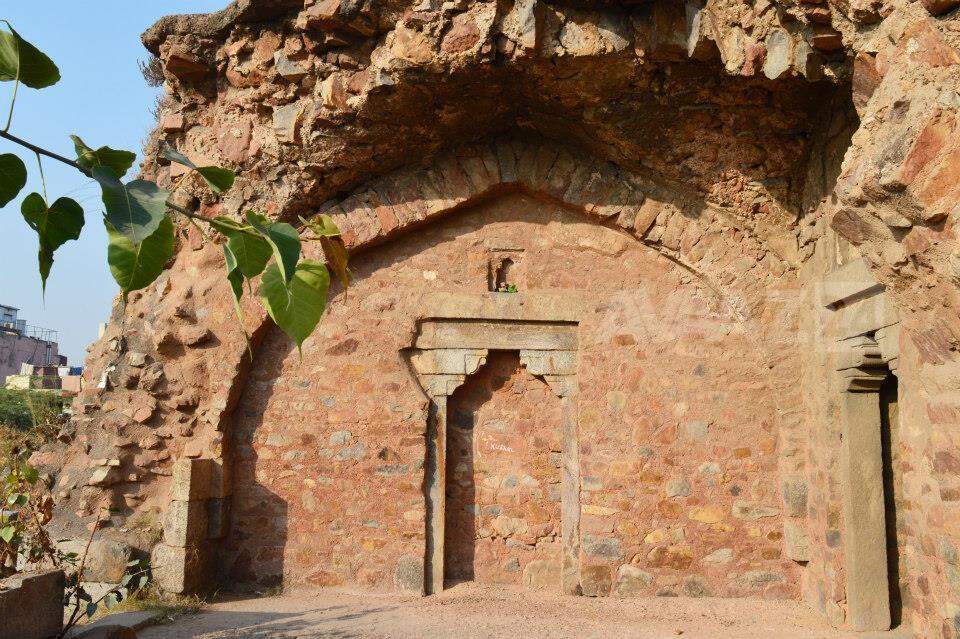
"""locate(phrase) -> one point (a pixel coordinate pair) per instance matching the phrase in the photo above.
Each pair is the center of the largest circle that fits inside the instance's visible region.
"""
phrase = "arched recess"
(708, 244)
(752, 275)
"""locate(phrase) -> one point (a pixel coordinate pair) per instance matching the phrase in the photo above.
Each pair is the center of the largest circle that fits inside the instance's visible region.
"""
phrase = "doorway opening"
(502, 519)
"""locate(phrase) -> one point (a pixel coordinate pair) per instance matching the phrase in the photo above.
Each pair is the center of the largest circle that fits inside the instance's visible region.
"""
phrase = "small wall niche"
(504, 271)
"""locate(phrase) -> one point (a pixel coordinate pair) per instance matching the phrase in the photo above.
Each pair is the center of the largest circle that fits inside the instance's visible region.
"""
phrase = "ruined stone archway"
(701, 260)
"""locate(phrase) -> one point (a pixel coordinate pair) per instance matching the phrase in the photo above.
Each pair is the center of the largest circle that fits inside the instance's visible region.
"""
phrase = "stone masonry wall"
(679, 463)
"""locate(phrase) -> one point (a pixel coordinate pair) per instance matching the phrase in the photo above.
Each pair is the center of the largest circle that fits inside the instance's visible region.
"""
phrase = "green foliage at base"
(28, 420)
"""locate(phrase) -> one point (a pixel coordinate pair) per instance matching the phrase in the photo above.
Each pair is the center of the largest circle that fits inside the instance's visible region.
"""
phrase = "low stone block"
(32, 607)
(631, 581)
(595, 580)
(185, 523)
(542, 574)
(409, 576)
(180, 570)
(192, 479)
(106, 559)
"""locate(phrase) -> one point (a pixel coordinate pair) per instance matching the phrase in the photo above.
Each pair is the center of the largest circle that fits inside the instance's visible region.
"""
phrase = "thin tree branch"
(40, 150)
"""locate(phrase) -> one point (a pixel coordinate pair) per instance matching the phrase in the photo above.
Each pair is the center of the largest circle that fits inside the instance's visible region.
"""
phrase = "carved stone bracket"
(861, 365)
(888, 339)
(557, 368)
(442, 370)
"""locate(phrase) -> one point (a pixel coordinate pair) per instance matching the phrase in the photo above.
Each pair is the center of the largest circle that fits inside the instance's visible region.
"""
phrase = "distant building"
(29, 356)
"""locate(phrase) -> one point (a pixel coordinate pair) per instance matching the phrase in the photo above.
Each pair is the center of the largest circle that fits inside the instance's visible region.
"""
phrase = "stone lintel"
(494, 334)
(862, 317)
(519, 307)
(851, 281)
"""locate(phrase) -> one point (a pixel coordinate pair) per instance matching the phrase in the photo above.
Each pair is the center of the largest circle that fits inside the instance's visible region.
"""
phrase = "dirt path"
(469, 612)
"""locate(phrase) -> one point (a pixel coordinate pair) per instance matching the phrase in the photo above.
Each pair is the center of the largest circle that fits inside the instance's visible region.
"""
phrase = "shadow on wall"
(252, 558)
(460, 516)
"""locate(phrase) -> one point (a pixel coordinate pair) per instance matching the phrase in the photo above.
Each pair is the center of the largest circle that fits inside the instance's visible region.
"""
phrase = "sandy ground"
(468, 611)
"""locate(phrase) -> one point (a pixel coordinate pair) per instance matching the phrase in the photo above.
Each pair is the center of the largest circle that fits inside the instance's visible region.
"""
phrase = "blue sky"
(101, 97)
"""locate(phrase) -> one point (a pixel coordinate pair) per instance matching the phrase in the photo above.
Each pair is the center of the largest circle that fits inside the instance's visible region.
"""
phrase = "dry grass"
(167, 607)
(14, 441)
(146, 523)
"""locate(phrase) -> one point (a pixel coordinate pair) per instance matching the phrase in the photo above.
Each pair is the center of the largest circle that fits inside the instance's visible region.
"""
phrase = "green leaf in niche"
(55, 226)
(134, 209)
(218, 179)
(283, 239)
(137, 265)
(119, 161)
(323, 226)
(13, 177)
(296, 306)
(20, 60)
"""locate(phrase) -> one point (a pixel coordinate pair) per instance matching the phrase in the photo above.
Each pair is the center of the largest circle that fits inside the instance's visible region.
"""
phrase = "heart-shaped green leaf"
(20, 60)
(135, 266)
(134, 209)
(252, 252)
(55, 226)
(119, 161)
(17, 499)
(218, 179)
(7, 533)
(296, 307)
(13, 177)
(283, 239)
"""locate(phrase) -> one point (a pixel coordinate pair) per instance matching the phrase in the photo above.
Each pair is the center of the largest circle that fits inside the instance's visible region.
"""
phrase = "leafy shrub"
(28, 420)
